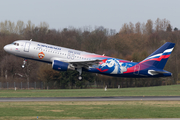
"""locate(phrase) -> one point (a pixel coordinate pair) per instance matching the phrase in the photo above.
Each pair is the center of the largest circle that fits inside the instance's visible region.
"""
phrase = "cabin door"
(136, 69)
(27, 46)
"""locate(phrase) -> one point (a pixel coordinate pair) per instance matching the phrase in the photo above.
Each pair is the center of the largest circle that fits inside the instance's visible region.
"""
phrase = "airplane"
(63, 59)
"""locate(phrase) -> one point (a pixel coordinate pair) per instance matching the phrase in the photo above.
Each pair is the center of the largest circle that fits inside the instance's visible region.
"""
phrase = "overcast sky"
(79, 13)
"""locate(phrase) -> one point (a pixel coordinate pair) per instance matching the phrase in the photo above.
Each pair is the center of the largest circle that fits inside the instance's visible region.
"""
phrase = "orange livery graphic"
(41, 55)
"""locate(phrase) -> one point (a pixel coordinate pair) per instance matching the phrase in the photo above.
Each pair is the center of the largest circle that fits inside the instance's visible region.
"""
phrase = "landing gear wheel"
(24, 63)
(80, 78)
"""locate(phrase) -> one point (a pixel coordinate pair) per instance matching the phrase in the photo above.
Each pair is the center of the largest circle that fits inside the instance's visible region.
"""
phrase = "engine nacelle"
(62, 66)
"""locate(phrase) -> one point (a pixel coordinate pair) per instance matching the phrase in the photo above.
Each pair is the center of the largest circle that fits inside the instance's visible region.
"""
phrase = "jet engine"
(62, 66)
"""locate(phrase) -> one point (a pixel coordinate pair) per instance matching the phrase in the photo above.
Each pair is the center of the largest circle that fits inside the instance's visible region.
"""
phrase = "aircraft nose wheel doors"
(24, 62)
(80, 72)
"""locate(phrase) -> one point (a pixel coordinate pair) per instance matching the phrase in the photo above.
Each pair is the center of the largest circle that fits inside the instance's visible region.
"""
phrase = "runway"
(126, 98)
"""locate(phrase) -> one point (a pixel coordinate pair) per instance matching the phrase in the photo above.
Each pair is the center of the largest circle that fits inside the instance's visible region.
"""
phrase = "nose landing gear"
(80, 78)
(24, 63)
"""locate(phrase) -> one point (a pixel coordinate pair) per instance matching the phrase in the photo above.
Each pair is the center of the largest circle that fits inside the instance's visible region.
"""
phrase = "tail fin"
(160, 56)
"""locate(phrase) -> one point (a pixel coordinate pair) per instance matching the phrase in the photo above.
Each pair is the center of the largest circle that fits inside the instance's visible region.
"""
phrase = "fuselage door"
(26, 47)
(136, 69)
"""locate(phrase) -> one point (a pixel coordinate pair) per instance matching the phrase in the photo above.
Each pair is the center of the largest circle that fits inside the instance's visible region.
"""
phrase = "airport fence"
(50, 85)
(21, 85)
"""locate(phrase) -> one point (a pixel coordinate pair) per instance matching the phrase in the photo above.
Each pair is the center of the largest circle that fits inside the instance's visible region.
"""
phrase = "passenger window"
(17, 44)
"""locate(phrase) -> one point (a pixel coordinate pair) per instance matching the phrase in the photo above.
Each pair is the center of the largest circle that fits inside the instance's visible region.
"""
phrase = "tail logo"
(160, 56)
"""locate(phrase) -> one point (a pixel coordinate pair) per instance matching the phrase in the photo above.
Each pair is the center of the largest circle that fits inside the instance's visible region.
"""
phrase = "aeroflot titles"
(46, 46)
(56, 48)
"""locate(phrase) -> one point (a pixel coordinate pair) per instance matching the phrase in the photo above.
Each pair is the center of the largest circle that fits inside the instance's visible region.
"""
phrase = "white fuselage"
(45, 52)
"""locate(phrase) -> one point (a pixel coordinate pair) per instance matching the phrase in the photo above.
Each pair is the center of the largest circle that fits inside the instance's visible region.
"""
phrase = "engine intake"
(62, 66)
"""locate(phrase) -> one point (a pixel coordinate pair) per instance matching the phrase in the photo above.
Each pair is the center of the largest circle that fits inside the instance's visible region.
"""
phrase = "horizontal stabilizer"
(153, 72)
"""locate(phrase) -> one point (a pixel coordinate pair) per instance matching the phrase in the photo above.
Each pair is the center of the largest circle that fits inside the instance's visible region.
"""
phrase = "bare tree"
(161, 25)
(149, 26)
(169, 28)
(138, 27)
(19, 27)
(124, 29)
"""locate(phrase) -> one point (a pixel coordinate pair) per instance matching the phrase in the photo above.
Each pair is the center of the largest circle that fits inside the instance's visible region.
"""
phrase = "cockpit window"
(17, 44)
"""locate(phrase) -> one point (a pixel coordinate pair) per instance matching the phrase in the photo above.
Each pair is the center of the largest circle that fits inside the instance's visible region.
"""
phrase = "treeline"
(134, 42)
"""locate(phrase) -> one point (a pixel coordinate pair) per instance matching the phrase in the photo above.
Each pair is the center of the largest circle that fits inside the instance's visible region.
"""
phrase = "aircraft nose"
(6, 48)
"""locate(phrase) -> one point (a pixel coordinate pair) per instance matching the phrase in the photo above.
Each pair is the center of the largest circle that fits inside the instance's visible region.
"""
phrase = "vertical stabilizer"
(160, 56)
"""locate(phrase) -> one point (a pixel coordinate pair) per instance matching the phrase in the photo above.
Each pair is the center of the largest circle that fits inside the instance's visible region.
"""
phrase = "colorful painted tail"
(159, 58)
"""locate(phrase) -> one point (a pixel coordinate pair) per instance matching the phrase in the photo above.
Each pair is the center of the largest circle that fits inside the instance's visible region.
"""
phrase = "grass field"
(89, 110)
(171, 90)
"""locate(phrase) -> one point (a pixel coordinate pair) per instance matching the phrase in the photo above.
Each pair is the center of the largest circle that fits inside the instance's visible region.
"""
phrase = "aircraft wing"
(80, 63)
(86, 64)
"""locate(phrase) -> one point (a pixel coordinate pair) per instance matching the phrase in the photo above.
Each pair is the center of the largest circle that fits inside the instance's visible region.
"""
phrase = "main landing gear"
(80, 72)
(24, 62)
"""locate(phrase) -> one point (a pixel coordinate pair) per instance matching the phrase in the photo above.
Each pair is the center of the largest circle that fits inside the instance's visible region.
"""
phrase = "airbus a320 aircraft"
(63, 59)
